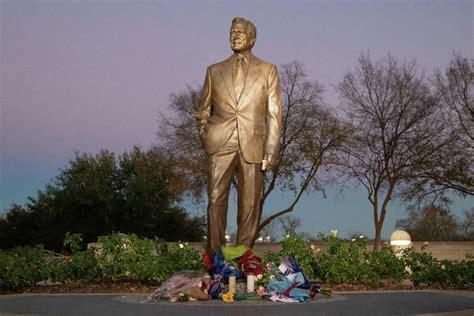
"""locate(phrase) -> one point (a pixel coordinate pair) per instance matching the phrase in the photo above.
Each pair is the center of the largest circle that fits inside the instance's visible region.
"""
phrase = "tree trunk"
(379, 221)
(378, 235)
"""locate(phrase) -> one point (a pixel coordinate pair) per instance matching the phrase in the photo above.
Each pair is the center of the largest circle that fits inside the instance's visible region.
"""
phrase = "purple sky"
(86, 75)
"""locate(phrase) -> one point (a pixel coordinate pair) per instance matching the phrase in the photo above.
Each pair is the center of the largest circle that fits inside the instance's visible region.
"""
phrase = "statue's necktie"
(239, 76)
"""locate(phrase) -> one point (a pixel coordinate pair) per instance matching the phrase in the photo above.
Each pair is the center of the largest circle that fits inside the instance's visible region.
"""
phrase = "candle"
(250, 283)
(232, 283)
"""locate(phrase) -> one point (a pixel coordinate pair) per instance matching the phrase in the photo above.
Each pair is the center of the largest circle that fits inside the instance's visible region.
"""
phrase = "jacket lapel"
(226, 72)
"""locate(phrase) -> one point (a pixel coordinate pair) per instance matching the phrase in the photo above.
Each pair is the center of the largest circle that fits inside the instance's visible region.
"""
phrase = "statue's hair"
(250, 27)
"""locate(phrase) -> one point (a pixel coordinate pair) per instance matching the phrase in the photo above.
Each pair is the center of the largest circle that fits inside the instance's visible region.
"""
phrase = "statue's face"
(240, 41)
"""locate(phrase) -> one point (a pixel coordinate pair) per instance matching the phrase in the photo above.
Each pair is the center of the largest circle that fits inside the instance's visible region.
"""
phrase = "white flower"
(353, 239)
(443, 267)
(361, 236)
(287, 236)
(334, 232)
(181, 246)
(312, 247)
(259, 276)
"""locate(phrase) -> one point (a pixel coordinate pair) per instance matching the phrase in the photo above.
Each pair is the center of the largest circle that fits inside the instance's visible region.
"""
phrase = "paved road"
(342, 303)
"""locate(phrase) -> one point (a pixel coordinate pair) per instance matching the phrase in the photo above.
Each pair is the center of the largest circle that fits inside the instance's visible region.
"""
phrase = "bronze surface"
(239, 121)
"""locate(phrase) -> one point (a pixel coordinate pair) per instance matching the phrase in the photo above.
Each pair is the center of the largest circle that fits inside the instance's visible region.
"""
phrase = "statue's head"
(243, 35)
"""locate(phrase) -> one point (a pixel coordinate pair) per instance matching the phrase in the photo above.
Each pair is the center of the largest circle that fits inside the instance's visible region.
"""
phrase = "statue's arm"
(204, 108)
(273, 115)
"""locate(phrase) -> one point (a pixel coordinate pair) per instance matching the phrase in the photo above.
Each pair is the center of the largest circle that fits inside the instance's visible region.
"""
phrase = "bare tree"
(397, 125)
(431, 223)
(466, 225)
(310, 140)
(450, 169)
(270, 231)
(311, 135)
(177, 133)
(290, 224)
(456, 87)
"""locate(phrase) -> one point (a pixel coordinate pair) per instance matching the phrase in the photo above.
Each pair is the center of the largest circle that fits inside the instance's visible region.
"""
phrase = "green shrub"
(425, 269)
(121, 257)
(272, 257)
(130, 258)
(299, 248)
(181, 257)
(386, 267)
(351, 262)
(73, 241)
(82, 267)
(343, 262)
(21, 267)
(55, 269)
(124, 257)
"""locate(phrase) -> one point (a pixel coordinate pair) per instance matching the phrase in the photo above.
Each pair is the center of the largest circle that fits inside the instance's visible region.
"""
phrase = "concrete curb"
(464, 293)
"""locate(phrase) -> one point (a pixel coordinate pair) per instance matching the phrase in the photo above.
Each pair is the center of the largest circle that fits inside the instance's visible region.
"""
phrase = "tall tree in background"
(310, 140)
(290, 224)
(398, 125)
(97, 195)
(456, 87)
(431, 223)
(178, 134)
(466, 225)
(270, 231)
(451, 168)
(311, 136)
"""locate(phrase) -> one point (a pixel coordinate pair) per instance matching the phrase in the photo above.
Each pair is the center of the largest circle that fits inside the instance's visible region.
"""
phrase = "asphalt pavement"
(441, 303)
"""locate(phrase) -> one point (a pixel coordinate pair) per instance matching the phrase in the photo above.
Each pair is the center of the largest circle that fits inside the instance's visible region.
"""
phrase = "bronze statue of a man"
(239, 121)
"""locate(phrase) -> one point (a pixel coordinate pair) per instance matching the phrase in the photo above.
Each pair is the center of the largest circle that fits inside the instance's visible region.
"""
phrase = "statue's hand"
(268, 162)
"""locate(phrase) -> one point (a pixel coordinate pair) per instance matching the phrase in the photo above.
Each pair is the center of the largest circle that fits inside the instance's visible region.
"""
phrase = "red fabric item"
(288, 290)
(249, 264)
(207, 260)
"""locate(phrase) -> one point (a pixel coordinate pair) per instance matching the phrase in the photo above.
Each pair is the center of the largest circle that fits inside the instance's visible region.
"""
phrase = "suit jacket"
(256, 114)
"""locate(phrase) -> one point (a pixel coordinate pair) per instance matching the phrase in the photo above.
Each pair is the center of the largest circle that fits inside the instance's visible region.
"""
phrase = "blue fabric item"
(292, 268)
(222, 269)
(283, 285)
(215, 287)
(299, 277)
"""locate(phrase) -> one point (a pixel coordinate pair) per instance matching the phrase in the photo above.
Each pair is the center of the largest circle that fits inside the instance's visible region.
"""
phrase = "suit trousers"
(222, 166)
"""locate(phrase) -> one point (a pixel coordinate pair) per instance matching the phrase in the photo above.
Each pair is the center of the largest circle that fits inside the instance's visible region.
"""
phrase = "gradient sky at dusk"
(86, 75)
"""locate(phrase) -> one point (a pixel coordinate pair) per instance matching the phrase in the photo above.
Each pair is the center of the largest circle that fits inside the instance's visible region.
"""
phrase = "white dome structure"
(400, 238)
